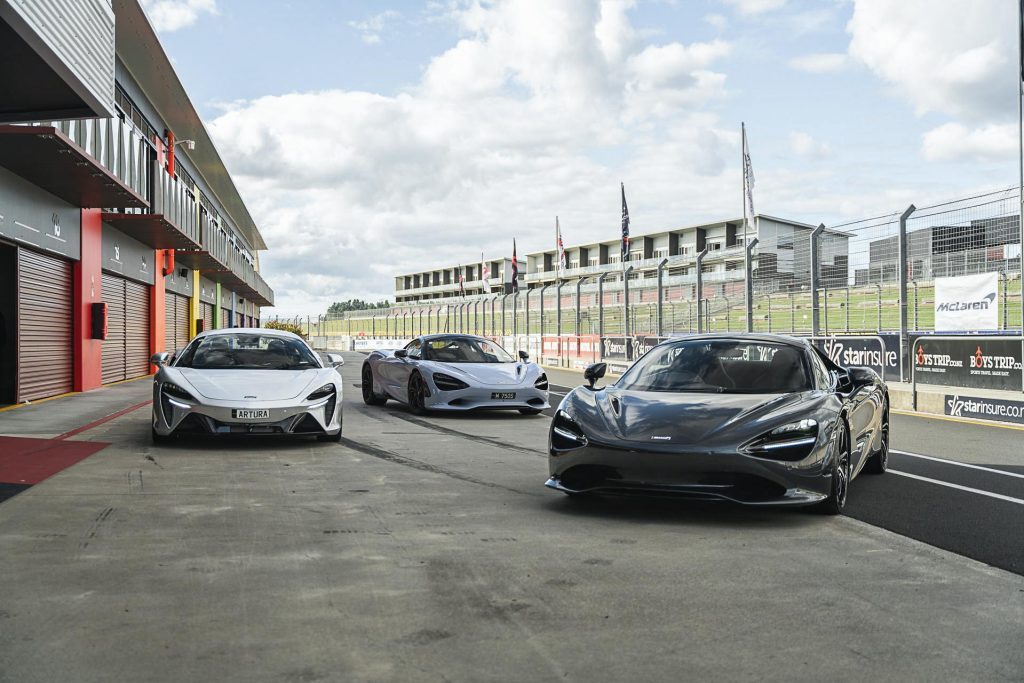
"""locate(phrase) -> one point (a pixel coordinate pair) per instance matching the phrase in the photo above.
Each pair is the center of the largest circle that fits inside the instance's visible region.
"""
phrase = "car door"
(861, 409)
(403, 367)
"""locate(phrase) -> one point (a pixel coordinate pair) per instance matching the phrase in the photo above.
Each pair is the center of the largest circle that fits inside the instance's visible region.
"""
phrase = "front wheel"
(417, 395)
(841, 470)
(879, 462)
(370, 398)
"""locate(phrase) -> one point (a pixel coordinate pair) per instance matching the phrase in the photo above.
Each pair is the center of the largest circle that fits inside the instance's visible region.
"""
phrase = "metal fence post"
(527, 311)
(625, 300)
(579, 284)
(558, 313)
(769, 301)
(879, 286)
(661, 297)
(515, 313)
(748, 277)
(600, 312)
(543, 291)
(700, 289)
(792, 313)
(847, 310)
(815, 275)
(504, 298)
(902, 273)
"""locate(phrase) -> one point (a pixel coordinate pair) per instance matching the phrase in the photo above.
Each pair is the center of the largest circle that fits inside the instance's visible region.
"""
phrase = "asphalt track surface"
(427, 548)
(974, 508)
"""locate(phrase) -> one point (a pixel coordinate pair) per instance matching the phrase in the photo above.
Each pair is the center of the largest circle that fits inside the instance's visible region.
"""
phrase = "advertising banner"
(881, 353)
(985, 408)
(983, 363)
(969, 303)
(620, 352)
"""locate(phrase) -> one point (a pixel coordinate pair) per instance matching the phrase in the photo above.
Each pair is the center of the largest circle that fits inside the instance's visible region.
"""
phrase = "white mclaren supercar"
(247, 381)
(454, 372)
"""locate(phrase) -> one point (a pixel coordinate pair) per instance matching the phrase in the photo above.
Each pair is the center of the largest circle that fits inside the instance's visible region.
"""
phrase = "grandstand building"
(443, 283)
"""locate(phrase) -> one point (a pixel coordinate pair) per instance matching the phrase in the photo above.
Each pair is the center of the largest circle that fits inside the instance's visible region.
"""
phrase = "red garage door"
(44, 326)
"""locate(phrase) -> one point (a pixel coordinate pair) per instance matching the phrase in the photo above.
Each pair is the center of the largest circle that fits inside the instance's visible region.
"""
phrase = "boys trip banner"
(979, 362)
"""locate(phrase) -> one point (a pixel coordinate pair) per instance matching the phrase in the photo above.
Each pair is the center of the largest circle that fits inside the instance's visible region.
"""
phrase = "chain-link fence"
(844, 279)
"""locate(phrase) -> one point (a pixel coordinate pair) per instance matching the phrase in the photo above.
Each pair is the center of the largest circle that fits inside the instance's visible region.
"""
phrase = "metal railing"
(115, 144)
(175, 203)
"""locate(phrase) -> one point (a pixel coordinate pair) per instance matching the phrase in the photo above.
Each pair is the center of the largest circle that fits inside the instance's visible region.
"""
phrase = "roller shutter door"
(225, 318)
(44, 326)
(113, 345)
(136, 329)
(207, 316)
(126, 348)
(175, 322)
(241, 320)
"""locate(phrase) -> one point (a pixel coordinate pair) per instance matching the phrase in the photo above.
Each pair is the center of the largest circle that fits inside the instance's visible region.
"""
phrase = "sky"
(372, 138)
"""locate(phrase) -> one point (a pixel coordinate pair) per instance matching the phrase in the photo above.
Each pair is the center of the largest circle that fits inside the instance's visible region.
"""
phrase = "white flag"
(560, 248)
(748, 173)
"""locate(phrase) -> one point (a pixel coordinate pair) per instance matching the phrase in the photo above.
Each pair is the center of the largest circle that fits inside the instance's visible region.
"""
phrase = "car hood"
(263, 385)
(668, 419)
(487, 373)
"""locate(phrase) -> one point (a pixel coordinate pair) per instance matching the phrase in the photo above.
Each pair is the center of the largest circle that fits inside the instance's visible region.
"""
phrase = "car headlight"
(448, 383)
(566, 433)
(793, 441)
(323, 392)
(174, 391)
(541, 383)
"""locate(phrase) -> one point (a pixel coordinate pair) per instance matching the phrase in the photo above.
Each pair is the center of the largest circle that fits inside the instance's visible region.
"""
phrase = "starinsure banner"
(985, 408)
(984, 363)
(881, 352)
(969, 303)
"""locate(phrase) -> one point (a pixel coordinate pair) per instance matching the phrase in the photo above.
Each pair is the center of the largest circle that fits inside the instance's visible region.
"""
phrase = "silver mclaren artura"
(247, 381)
(454, 372)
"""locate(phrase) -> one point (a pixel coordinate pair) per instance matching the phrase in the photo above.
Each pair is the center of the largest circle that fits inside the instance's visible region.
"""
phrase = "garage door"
(44, 326)
(207, 316)
(225, 318)
(126, 348)
(175, 322)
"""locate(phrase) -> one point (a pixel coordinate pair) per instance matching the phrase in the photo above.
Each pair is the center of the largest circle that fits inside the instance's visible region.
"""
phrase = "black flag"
(625, 227)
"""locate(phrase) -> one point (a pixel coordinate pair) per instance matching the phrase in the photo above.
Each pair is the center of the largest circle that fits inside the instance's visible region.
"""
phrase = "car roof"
(264, 331)
(766, 337)
(451, 335)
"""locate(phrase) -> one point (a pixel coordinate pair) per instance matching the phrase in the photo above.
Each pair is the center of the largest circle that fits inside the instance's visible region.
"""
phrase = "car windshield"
(465, 350)
(247, 351)
(719, 366)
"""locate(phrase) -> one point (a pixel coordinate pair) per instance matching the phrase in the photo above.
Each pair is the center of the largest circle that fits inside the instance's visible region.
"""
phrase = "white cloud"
(753, 7)
(956, 142)
(948, 56)
(371, 28)
(172, 15)
(716, 21)
(820, 63)
(510, 126)
(803, 145)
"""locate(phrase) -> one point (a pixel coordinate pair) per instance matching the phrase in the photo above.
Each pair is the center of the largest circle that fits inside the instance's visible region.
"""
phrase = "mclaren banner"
(984, 363)
(969, 303)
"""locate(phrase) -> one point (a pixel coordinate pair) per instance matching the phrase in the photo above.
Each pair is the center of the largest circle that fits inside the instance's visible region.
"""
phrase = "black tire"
(370, 398)
(841, 471)
(160, 439)
(878, 463)
(530, 411)
(417, 394)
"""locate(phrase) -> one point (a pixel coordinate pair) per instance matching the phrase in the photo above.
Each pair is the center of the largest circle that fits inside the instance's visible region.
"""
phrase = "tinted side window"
(414, 349)
(821, 374)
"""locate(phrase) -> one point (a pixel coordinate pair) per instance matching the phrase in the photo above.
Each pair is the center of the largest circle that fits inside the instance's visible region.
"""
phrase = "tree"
(339, 307)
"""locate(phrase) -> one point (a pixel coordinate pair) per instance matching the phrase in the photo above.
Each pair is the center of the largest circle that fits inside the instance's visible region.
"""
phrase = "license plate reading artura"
(262, 414)
(503, 395)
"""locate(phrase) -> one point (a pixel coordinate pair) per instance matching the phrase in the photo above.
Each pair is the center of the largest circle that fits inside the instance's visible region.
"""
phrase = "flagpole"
(746, 252)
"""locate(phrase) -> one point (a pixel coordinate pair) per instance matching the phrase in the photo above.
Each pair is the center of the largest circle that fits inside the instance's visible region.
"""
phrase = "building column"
(157, 307)
(86, 286)
(193, 305)
(234, 306)
(216, 310)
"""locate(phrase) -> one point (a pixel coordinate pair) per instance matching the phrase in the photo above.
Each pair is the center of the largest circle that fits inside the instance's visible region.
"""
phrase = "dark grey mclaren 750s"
(749, 418)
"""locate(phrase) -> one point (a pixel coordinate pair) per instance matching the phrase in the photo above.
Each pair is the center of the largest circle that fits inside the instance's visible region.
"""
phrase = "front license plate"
(503, 395)
(263, 414)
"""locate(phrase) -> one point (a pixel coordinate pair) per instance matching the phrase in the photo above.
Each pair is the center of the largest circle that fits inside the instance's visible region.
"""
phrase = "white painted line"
(959, 464)
(27, 227)
(998, 496)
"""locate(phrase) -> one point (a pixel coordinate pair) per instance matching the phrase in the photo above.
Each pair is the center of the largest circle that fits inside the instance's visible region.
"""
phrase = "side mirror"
(161, 358)
(524, 356)
(844, 382)
(401, 353)
(335, 360)
(595, 372)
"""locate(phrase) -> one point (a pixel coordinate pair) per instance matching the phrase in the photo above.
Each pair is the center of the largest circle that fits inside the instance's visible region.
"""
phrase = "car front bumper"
(709, 475)
(479, 398)
(173, 415)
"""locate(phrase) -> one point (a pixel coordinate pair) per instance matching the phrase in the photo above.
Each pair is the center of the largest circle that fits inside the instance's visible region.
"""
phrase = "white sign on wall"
(969, 303)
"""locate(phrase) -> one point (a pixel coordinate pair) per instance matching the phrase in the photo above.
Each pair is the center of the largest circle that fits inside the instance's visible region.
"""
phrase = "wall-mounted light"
(189, 144)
